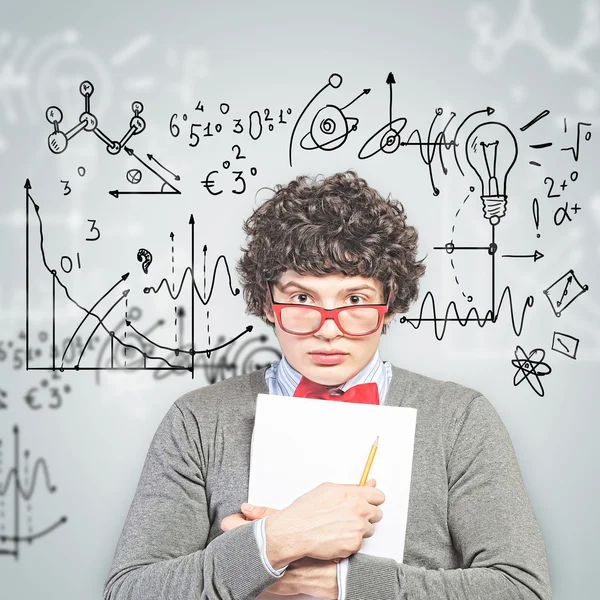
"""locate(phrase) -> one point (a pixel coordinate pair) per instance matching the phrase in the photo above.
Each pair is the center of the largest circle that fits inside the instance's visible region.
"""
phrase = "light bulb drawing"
(492, 151)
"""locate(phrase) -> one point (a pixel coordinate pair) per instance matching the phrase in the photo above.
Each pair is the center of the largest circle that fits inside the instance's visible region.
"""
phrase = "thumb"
(257, 512)
(372, 483)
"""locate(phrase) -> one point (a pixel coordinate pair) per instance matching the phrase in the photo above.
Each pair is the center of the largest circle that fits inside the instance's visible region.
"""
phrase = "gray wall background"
(91, 429)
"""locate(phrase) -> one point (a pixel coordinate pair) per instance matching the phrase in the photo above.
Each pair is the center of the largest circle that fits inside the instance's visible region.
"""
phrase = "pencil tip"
(376, 441)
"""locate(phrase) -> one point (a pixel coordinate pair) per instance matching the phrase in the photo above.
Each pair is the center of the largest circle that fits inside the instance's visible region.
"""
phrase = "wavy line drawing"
(13, 485)
(489, 317)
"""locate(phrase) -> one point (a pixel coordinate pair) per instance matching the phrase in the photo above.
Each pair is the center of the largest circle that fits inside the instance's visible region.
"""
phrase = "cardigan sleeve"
(162, 551)
(490, 519)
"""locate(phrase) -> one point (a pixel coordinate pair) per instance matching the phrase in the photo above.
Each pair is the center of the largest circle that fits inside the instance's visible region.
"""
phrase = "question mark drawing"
(145, 258)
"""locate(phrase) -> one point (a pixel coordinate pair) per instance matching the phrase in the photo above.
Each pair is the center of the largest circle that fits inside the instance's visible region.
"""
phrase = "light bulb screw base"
(494, 208)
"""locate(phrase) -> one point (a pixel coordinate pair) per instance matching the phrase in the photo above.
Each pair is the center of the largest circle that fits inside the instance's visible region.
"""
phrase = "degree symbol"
(335, 80)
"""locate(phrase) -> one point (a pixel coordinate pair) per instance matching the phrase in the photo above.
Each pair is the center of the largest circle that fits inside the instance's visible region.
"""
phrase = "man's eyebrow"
(355, 288)
(295, 284)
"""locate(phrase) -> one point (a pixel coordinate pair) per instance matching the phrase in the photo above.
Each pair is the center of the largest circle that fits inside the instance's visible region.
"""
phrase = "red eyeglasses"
(304, 319)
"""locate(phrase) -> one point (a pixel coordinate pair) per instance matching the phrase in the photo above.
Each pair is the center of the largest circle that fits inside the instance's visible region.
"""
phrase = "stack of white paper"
(299, 443)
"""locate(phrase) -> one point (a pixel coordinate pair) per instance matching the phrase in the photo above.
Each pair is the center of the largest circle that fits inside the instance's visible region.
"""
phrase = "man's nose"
(329, 329)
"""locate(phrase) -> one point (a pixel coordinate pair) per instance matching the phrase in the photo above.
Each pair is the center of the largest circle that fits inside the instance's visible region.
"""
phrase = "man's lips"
(327, 357)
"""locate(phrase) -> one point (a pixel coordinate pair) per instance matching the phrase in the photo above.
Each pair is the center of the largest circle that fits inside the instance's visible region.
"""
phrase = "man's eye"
(355, 299)
(300, 298)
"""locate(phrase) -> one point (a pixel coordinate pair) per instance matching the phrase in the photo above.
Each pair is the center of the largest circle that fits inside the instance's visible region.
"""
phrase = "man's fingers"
(377, 515)
(233, 521)
(257, 512)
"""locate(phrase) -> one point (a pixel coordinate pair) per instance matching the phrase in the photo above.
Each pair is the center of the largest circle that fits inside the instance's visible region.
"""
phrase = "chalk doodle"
(58, 140)
(19, 485)
(145, 257)
(527, 29)
(239, 181)
(530, 367)
(143, 347)
(165, 188)
(491, 151)
(565, 344)
(564, 291)
(330, 127)
(49, 391)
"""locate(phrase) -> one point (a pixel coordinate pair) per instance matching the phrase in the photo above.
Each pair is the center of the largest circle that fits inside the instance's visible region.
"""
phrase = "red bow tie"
(363, 393)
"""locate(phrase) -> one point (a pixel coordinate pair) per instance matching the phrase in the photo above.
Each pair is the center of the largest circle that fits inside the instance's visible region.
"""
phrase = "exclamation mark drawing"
(536, 214)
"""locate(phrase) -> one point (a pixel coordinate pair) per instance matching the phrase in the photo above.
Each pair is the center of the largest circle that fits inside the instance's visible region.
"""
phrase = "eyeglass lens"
(355, 320)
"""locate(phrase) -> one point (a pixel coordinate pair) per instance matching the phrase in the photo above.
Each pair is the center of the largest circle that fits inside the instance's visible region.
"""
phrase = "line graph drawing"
(20, 483)
(95, 318)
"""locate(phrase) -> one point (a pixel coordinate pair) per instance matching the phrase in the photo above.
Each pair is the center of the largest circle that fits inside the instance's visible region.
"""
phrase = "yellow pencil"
(367, 468)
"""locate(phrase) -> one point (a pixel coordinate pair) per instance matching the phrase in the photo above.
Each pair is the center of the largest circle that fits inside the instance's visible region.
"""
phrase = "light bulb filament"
(491, 149)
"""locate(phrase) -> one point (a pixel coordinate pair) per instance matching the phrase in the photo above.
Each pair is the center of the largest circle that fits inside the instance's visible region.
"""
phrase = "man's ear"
(269, 314)
(388, 318)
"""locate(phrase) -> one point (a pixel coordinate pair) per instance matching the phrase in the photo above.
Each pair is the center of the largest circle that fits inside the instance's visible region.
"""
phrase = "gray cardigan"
(471, 530)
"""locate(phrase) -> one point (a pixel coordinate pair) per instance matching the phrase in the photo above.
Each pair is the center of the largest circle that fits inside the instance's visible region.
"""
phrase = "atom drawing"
(531, 367)
(329, 129)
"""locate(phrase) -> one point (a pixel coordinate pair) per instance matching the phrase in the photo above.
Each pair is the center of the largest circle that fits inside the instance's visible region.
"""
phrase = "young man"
(328, 263)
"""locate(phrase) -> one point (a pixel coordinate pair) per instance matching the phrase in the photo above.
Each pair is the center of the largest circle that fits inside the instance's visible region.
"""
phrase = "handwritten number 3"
(92, 229)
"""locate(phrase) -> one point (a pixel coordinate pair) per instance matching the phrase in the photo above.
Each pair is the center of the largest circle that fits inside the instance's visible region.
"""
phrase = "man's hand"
(330, 521)
(303, 576)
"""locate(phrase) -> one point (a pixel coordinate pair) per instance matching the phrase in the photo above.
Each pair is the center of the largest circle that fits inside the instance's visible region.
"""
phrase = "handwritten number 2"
(550, 194)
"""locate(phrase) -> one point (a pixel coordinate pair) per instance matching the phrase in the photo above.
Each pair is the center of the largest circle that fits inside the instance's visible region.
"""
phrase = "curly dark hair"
(335, 224)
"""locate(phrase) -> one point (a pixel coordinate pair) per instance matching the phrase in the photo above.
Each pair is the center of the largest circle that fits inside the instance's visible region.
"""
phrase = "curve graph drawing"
(18, 486)
(132, 340)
